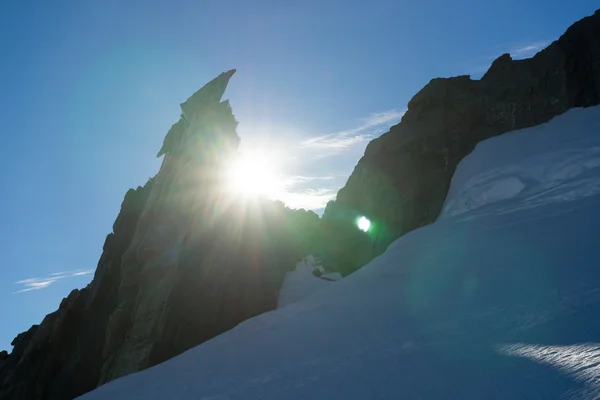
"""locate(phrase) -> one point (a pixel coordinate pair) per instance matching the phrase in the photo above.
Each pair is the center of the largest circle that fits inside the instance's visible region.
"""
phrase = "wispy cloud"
(43, 282)
(528, 50)
(369, 127)
(478, 65)
(310, 192)
(300, 179)
(309, 199)
(301, 158)
(81, 273)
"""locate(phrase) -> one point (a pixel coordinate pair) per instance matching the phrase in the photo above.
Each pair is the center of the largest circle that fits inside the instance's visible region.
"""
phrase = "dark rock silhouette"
(185, 262)
(402, 180)
(193, 109)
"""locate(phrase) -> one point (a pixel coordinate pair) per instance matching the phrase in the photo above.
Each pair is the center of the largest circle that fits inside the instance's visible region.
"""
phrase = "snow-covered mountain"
(498, 299)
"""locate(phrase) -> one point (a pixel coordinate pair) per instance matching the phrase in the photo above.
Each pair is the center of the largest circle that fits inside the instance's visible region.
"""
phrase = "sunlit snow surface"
(556, 163)
(499, 299)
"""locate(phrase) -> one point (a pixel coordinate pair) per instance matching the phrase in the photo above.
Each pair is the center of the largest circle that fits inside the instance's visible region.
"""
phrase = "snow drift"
(498, 299)
(302, 281)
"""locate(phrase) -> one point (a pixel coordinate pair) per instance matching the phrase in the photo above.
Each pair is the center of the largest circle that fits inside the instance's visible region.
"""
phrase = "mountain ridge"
(402, 179)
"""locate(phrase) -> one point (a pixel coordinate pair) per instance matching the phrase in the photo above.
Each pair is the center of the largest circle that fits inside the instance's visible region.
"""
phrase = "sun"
(254, 174)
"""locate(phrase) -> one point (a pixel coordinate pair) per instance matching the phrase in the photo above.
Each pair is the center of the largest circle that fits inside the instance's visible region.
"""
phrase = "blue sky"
(89, 89)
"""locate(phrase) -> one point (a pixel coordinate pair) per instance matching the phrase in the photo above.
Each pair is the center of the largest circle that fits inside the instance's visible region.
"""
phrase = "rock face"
(3, 357)
(185, 261)
(402, 180)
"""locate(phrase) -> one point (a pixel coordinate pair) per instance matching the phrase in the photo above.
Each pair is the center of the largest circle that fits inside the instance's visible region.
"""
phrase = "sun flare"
(254, 174)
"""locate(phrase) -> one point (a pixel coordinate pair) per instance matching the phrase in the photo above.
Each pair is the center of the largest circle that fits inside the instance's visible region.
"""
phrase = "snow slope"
(499, 299)
(301, 282)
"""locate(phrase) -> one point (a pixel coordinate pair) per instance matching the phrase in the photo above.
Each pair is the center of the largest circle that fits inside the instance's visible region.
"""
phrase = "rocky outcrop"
(62, 357)
(3, 357)
(185, 261)
(402, 180)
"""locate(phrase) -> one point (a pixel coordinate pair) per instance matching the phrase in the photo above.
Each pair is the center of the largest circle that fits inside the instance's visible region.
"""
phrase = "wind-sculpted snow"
(555, 163)
(582, 362)
(498, 307)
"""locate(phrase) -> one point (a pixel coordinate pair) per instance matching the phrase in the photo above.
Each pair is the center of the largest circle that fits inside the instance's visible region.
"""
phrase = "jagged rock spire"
(184, 263)
(207, 97)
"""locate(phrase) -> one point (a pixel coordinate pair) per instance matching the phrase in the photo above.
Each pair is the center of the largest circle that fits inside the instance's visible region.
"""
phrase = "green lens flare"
(364, 224)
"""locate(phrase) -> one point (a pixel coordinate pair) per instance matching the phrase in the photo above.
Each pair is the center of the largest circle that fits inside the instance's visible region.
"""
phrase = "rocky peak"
(500, 64)
(184, 263)
(204, 118)
(3, 357)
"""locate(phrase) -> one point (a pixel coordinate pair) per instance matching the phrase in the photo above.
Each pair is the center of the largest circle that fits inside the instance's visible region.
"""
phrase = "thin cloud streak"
(296, 194)
(300, 179)
(43, 282)
(81, 273)
(309, 199)
(479, 65)
(528, 50)
(308, 192)
(368, 129)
